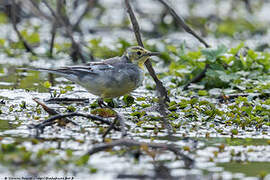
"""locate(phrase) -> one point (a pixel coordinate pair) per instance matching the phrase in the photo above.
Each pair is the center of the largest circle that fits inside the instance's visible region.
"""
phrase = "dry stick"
(51, 111)
(109, 128)
(198, 78)
(39, 11)
(248, 6)
(136, 28)
(121, 118)
(162, 110)
(254, 95)
(53, 32)
(89, 5)
(160, 172)
(163, 96)
(128, 142)
(51, 120)
(75, 46)
(13, 21)
(67, 100)
(134, 176)
(182, 23)
(60, 116)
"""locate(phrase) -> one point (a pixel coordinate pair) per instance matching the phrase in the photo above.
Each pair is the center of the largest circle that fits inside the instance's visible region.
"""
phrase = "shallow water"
(219, 146)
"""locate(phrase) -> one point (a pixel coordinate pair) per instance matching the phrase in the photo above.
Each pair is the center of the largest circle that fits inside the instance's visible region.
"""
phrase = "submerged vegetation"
(206, 114)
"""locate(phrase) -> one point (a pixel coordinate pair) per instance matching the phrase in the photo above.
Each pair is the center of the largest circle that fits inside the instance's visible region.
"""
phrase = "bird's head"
(138, 55)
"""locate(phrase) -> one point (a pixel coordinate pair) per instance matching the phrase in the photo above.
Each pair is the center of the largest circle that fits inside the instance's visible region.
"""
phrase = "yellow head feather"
(138, 55)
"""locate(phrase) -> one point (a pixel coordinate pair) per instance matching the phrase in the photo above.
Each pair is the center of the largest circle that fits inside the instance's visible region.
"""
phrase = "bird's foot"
(102, 104)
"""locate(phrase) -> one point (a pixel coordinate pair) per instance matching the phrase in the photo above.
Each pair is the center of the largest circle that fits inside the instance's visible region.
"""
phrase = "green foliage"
(71, 108)
(231, 70)
(212, 54)
(3, 18)
(229, 27)
(104, 112)
(82, 160)
(102, 51)
(32, 38)
(47, 84)
(128, 100)
(237, 67)
(258, 169)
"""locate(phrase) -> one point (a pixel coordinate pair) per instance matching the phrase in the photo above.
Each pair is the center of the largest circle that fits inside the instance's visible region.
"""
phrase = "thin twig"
(226, 97)
(90, 4)
(109, 128)
(197, 78)
(49, 110)
(134, 176)
(136, 28)
(248, 6)
(61, 12)
(121, 119)
(160, 172)
(53, 33)
(162, 92)
(162, 110)
(67, 100)
(38, 11)
(60, 116)
(14, 24)
(75, 47)
(182, 23)
(128, 142)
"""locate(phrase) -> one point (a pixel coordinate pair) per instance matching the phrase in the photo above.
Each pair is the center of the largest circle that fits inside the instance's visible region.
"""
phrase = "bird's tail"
(54, 71)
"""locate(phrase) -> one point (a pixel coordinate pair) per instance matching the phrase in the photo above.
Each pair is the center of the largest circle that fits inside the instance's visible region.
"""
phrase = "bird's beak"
(152, 54)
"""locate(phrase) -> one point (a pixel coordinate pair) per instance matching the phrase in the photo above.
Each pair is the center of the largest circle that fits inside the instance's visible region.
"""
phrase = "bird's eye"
(139, 53)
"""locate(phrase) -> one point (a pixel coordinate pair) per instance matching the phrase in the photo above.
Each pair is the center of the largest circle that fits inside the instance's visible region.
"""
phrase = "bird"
(109, 78)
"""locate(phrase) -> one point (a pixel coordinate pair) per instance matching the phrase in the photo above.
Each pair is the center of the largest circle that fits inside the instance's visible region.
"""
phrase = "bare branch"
(129, 143)
(248, 6)
(53, 32)
(36, 10)
(109, 128)
(197, 78)
(90, 4)
(136, 28)
(49, 110)
(182, 23)
(52, 119)
(14, 24)
(75, 47)
(162, 92)
(121, 119)
(67, 100)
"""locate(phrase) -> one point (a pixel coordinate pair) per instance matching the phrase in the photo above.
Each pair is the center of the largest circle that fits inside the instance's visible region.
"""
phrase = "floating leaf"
(47, 84)
(104, 112)
(129, 100)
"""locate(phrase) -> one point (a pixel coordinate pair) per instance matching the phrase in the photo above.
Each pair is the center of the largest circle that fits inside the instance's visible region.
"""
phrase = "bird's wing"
(92, 68)
(110, 61)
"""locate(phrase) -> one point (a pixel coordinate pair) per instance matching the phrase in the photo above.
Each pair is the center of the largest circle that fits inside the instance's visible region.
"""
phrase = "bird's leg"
(101, 103)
